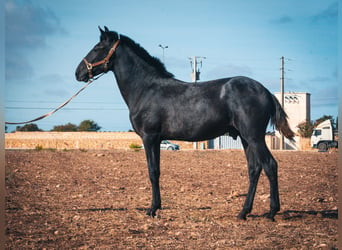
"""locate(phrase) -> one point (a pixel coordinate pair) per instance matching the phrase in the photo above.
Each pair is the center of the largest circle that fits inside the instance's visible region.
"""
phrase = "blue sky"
(46, 40)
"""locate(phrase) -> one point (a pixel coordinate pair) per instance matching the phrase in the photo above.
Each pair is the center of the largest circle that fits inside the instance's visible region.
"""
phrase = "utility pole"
(195, 76)
(282, 96)
(195, 72)
(163, 48)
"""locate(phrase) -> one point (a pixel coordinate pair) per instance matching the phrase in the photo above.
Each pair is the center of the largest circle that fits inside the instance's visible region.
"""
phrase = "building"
(297, 107)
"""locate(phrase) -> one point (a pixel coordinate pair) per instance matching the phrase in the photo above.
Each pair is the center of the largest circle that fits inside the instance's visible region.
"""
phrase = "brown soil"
(96, 199)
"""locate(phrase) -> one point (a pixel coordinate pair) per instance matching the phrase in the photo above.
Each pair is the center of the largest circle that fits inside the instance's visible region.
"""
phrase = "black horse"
(162, 107)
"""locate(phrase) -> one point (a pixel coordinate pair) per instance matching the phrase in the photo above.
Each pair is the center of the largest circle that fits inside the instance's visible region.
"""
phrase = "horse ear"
(106, 29)
(101, 30)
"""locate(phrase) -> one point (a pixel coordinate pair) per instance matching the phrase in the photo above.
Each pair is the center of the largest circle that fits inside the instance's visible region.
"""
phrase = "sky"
(46, 40)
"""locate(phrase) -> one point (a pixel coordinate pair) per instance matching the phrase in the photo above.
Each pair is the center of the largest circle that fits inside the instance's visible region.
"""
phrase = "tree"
(88, 125)
(28, 127)
(323, 118)
(69, 127)
(305, 129)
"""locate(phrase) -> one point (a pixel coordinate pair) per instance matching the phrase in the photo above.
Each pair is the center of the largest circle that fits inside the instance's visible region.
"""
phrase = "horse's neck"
(130, 73)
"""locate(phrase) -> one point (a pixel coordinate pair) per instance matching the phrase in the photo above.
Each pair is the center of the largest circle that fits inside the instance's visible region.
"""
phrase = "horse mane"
(151, 60)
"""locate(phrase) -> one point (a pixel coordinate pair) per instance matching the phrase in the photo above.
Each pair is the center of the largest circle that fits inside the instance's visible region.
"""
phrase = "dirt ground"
(97, 199)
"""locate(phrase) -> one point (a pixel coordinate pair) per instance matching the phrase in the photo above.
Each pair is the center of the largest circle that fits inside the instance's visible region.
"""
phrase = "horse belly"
(192, 125)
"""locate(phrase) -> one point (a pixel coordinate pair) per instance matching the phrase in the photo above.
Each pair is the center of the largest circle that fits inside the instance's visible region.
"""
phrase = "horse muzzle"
(81, 73)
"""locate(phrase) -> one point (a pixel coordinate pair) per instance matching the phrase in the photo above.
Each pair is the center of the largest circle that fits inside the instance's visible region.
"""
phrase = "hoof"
(150, 212)
(242, 216)
(269, 216)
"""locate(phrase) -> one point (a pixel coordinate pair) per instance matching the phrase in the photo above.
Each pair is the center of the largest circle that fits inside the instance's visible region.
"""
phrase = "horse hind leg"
(254, 170)
(271, 169)
(258, 158)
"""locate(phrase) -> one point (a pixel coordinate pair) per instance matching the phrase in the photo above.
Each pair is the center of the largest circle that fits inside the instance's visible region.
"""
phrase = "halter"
(104, 61)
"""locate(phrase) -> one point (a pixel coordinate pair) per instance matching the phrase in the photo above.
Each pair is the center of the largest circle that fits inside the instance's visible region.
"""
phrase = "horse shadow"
(286, 215)
(327, 214)
(297, 214)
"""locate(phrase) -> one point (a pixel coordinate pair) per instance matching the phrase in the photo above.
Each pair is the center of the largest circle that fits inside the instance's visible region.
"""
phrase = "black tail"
(279, 119)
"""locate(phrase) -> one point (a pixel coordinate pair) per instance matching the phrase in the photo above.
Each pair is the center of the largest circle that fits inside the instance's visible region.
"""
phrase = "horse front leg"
(152, 150)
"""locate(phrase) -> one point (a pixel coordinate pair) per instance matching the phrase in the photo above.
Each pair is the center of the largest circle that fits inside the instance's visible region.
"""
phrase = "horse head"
(99, 59)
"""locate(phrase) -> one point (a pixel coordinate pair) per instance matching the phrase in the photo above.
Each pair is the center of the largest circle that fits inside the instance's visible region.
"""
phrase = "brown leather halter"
(104, 61)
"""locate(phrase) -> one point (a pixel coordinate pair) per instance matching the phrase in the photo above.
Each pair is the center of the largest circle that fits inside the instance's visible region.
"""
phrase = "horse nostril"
(79, 76)
(79, 73)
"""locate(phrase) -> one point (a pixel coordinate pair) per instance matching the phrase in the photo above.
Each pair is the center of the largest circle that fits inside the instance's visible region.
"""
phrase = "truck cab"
(323, 136)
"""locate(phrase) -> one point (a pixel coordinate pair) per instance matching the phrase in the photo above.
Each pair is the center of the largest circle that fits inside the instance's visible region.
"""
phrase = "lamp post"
(163, 48)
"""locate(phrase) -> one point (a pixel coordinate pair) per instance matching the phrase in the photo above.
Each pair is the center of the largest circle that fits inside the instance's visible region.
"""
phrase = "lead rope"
(59, 107)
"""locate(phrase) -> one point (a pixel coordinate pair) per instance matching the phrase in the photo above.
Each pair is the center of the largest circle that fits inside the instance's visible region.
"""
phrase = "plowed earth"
(97, 199)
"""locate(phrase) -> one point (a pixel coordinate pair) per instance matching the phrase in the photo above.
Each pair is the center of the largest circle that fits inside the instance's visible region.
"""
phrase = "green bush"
(134, 146)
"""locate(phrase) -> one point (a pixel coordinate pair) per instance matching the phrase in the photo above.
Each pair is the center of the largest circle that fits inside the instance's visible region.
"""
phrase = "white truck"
(323, 136)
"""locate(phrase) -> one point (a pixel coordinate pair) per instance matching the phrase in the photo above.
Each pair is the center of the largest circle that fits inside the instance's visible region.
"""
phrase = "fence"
(225, 142)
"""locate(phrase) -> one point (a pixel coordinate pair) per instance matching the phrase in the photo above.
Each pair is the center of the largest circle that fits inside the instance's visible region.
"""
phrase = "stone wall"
(304, 144)
(77, 140)
(99, 140)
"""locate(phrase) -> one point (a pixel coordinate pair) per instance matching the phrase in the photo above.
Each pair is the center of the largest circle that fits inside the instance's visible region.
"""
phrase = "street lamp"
(163, 48)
